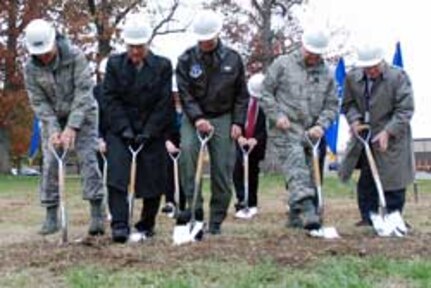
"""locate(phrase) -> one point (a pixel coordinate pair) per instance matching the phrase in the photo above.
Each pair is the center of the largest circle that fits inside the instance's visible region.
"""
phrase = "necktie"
(250, 124)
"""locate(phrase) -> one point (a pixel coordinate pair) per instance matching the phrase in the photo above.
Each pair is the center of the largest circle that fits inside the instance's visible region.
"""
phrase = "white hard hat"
(254, 85)
(368, 55)
(315, 40)
(136, 31)
(207, 25)
(39, 37)
(102, 65)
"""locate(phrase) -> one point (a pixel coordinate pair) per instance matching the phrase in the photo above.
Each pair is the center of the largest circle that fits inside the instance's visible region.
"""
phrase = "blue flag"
(35, 139)
(398, 56)
(331, 133)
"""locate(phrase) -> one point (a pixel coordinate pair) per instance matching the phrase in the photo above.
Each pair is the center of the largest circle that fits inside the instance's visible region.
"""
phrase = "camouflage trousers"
(295, 159)
(85, 149)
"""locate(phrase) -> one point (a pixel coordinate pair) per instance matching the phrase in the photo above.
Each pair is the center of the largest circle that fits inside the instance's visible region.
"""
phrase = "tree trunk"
(270, 164)
(12, 77)
(4, 152)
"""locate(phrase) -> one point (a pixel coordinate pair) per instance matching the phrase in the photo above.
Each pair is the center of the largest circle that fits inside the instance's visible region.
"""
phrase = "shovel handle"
(105, 184)
(314, 144)
(372, 163)
(376, 176)
(176, 182)
(246, 149)
(132, 183)
(204, 137)
(361, 128)
(199, 169)
(175, 155)
(60, 156)
(246, 179)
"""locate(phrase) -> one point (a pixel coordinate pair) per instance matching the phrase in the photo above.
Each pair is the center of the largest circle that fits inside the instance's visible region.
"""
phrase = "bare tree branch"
(181, 30)
(123, 13)
(164, 21)
(257, 6)
(92, 7)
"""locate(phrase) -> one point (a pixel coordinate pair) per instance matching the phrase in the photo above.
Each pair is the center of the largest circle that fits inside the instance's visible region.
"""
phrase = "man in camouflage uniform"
(299, 97)
(59, 85)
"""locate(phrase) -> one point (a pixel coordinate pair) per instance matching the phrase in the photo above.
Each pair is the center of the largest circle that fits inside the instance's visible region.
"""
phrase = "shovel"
(195, 226)
(105, 187)
(60, 156)
(131, 195)
(193, 231)
(181, 233)
(385, 225)
(323, 232)
(246, 150)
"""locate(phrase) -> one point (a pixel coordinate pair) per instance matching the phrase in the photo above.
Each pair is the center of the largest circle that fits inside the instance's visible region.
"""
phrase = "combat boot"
(50, 225)
(97, 224)
(294, 218)
(309, 215)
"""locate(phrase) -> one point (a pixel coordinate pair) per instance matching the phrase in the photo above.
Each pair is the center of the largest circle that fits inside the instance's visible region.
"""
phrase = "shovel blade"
(181, 235)
(399, 226)
(380, 225)
(389, 225)
(325, 233)
(184, 234)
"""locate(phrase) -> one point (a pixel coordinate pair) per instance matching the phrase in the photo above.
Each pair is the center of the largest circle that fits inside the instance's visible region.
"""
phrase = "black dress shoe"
(120, 235)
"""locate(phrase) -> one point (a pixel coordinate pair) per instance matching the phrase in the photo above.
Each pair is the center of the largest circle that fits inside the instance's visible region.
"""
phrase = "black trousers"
(253, 178)
(368, 200)
(119, 208)
(170, 186)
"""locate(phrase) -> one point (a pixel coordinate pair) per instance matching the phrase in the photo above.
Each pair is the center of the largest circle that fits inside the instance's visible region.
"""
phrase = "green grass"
(335, 271)
(329, 272)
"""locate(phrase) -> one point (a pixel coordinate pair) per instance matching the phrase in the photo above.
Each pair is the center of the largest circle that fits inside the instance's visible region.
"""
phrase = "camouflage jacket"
(61, 93)
(306, 95)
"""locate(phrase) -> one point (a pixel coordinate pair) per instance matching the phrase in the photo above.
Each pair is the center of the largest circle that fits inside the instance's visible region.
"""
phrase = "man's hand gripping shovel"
(385, 224)
(323, 232)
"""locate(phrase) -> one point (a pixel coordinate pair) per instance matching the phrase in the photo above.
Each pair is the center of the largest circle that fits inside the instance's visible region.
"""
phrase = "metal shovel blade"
(181, 235)
(390, 225)
(325, 233)
(382, 227)
(398, 225)
(184, 234)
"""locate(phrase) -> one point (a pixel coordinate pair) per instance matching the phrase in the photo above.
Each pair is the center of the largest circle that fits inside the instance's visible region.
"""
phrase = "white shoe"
(136, 237)
(243, 214)
(253, 211)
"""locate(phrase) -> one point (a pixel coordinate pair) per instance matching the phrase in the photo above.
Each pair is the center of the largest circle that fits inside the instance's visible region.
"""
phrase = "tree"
(92, 25)
(14, 16)
(260, 32)
(265, 29)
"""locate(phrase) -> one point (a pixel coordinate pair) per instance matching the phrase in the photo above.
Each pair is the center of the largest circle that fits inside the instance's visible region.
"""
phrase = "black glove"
(141, 139)
(128, 136)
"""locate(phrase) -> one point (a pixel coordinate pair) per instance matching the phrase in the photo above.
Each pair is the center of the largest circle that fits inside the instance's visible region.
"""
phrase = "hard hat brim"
(43, 49)
(369, 63)
(314, 50)
(206, 37)
(139, 41)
